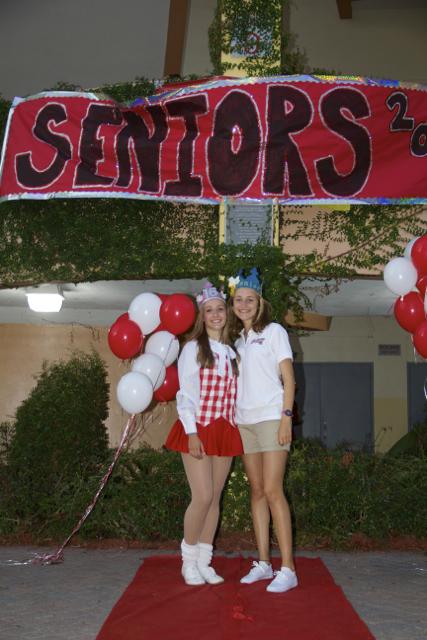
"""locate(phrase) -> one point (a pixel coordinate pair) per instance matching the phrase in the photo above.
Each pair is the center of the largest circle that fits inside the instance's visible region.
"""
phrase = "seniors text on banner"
(292, 139)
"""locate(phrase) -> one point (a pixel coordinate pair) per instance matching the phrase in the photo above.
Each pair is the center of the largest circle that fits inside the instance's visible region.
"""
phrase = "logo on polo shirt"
(258, 341)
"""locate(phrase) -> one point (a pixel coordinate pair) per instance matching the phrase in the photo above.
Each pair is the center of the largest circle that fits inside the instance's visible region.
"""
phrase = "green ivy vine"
(369, 236)
(235, 27)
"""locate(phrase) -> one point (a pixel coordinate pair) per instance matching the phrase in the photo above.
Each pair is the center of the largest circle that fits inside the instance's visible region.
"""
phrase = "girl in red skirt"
(206, 432)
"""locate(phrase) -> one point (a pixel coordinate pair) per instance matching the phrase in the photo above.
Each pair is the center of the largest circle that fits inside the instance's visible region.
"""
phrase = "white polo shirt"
(259, 385)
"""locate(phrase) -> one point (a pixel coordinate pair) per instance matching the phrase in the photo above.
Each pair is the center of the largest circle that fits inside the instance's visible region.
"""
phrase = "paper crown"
(241, 281)
(209, 292)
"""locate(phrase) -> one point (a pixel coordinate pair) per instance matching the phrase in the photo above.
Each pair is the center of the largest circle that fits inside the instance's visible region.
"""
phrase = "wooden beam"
(344, 9)
(175, 42)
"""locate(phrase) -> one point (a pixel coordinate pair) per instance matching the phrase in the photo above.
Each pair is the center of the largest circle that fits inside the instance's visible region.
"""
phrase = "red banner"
(296, 139)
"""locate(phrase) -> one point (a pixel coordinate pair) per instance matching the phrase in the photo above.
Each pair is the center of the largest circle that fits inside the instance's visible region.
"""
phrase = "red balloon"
(420, 339)
(409, 311)
(422, 285)
(124, 316)
(170, 386)
(177, 313)
(419, 255)
(125, 338)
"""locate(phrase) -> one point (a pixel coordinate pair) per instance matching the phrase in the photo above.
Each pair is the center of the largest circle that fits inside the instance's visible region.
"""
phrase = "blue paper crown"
(251, 281)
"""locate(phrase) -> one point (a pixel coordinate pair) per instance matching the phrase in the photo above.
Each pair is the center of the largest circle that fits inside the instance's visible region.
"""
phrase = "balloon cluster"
(401, 275)
(148, 333)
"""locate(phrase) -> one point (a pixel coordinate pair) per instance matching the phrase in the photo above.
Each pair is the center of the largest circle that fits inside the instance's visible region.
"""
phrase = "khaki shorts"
(261, 437)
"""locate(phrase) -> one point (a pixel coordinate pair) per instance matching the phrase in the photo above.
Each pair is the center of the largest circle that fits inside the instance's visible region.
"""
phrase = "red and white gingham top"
(206, 394)
(217, 394)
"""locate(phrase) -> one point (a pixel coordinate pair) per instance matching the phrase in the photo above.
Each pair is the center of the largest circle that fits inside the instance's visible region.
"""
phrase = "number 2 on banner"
(401, 122)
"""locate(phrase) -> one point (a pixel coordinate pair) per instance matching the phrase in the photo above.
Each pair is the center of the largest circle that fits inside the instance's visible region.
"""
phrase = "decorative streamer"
(58, 556)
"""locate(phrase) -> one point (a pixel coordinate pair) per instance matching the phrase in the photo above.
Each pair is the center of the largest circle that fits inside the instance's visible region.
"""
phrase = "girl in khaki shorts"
(265, 397)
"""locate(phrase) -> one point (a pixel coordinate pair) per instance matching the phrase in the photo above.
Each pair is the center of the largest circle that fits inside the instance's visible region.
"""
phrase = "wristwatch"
(287, 412)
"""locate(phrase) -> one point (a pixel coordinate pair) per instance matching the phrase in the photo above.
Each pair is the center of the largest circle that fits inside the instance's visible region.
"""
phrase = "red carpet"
(157, 605)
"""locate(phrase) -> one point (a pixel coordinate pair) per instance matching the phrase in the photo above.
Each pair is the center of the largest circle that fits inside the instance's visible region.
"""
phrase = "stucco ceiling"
(100, 303)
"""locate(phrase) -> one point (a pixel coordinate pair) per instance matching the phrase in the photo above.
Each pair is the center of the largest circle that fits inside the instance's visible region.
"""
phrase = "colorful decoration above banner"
(291, 139)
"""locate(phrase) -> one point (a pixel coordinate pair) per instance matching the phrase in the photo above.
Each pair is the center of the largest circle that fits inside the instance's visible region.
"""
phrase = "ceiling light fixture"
(48, 299)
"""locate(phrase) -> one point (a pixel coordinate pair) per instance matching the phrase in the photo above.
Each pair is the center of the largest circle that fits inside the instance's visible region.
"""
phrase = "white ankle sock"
(189, 552)
(205, 554)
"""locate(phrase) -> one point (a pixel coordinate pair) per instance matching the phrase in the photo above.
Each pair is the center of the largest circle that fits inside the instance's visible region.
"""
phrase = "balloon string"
(146, 421)
(58, 556)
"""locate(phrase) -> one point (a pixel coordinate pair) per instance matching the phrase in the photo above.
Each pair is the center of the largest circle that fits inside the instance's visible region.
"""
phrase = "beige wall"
(24, 348)
(356, 339)
(98, 42)
(384, 39)
(88, 43)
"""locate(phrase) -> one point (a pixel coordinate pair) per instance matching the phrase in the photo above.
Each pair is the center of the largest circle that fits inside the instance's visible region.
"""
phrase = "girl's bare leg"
(220, 470)
(199, 475)
(253, 463)
(274, 465)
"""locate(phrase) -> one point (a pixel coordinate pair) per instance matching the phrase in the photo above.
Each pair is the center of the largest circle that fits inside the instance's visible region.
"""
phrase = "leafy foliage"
(334, 495)
(367, 236)
(254, 29)
(413, 443)
(4, 110)
(59, 437)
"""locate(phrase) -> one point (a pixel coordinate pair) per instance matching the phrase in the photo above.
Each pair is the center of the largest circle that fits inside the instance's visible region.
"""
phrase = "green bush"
(6, 432)
(413, 443)
(145, 499)
(59, 441)
(334, 495)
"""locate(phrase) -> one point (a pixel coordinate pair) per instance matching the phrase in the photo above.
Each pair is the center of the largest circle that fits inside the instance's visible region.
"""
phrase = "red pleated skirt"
(219, 438)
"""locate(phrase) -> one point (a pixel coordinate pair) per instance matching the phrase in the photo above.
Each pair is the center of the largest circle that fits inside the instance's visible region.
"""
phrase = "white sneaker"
(260, 571)
(284, 580)
(210, 575)
(191, 574)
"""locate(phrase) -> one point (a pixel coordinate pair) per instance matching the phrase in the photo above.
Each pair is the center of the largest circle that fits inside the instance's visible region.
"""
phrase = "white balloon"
(152, 366)
(163, 344)
(400, 276)
(408, 248)
(134, 392)
(145, 311)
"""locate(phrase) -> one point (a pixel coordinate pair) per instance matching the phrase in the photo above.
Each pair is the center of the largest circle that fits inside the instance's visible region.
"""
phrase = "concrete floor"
(71, 600)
